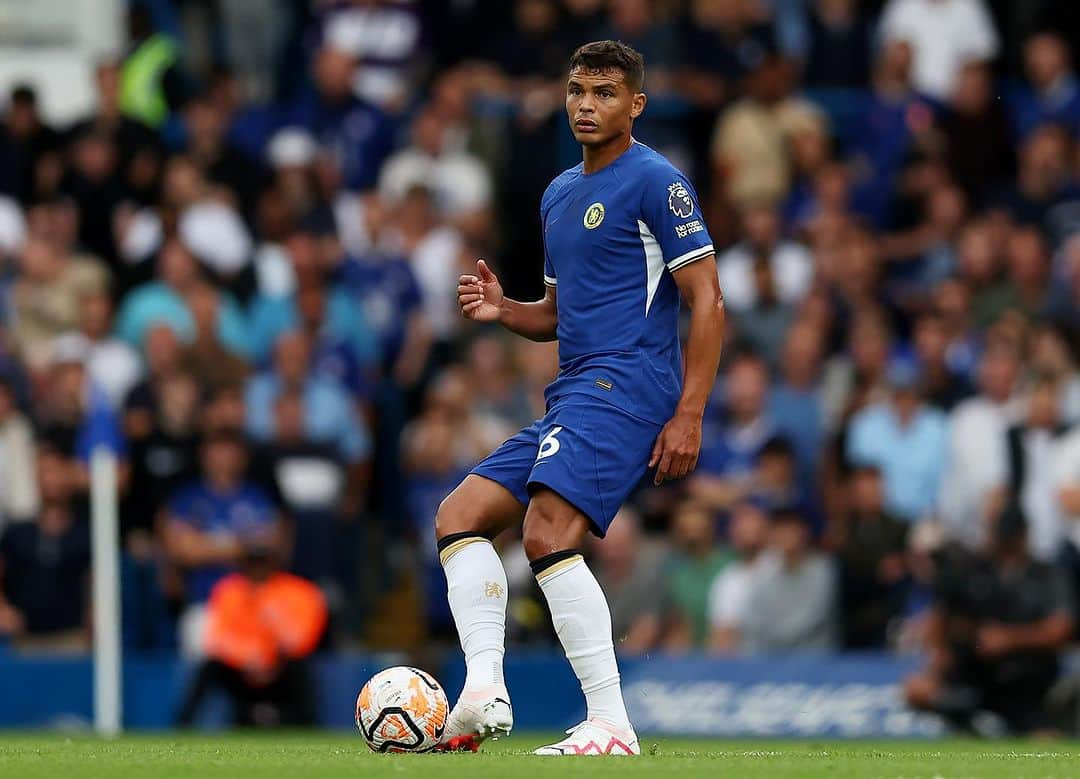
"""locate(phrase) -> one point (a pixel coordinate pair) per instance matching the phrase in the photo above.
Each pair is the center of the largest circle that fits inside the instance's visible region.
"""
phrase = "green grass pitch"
(318, 756)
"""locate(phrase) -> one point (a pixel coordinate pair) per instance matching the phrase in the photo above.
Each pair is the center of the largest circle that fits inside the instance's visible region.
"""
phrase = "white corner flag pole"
(106, 592)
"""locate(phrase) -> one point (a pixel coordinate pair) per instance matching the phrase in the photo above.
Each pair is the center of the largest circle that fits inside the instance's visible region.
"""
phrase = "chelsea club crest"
(679, 200)
(594, 215)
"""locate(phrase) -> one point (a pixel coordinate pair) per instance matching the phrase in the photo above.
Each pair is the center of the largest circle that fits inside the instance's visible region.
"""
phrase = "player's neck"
(599, 157)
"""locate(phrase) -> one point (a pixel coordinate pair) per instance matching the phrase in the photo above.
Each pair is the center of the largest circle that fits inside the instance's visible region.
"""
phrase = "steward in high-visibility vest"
(142, 80)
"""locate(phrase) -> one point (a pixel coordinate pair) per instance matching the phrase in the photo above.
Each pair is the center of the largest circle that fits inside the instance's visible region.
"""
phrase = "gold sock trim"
(562, 565)
(457, 546)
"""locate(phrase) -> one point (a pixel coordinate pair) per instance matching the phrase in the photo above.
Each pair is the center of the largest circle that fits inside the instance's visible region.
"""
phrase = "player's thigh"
(477, 505)
(552, 524)
(592, 456)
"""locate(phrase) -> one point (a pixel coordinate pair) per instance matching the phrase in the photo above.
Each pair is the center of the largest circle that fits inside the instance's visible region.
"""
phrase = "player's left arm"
(679, 443)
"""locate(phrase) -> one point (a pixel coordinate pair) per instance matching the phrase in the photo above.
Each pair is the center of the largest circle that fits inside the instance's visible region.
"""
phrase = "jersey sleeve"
(549, 268)
(672, 214)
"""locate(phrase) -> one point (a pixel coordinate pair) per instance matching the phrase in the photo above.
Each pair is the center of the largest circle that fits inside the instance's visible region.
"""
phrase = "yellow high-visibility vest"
(142, 91)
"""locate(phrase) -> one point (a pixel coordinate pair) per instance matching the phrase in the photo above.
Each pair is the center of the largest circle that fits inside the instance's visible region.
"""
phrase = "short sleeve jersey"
(611, 242)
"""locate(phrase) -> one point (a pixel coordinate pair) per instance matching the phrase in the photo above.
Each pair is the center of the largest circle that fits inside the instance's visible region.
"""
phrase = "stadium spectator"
(45, 566)
(112, 364)
(330, 415)
(1031, 457)
(18, 485)
(630, 570)
(944, 36)
(1066, 479)
(839, 50)
(1051, 94)
(357, 134)
(206, 524)
(729, 597)
(791, 605)
(905, 439)
(31, 148)
(943, 387)
(690, 571)
(796, 399)
(261, 624)
(45, 297)
(734, 436)
(995, 634)
(870, 546)
(976, 435)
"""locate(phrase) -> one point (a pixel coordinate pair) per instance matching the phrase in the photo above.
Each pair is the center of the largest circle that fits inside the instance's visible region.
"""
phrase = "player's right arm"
(481, 299)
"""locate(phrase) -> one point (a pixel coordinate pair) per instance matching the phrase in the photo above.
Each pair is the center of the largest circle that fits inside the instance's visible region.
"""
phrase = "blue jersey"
(611, 240)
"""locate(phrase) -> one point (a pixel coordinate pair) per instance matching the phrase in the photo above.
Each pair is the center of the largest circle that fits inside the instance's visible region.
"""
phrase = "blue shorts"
(589, 452)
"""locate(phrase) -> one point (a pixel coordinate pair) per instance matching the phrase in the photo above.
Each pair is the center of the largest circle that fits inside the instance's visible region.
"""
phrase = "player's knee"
(452, 517)
(545, 532)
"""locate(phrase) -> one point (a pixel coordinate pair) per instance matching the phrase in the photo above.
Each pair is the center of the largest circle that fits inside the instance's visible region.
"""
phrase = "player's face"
(600, 105)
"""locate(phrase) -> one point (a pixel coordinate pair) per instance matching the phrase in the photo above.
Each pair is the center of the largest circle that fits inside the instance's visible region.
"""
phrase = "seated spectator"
(163, 456)
(112, 365)
(729, 598)
(733, 441)
(840, 39)
(310, 481)
(749, 147)
(45, 566)
(792, 601)
(45, 298)
(1042, 179)
(460, 184)
(393, 305)
(975, 445)
(18, 485)
(261, 624)
(206, 357)
(796, 399)
(870, 546)
(358, 134)
(944, 389)
(944, 35)
(165, 301)
(343, 318)
(73, 414)
(1053, 355)
(631, 574)
(996, 633)
(329, 413)
(1052, 92)
(690, 571)
(905, 440)
(1031, 456)
(206, 523)
(163, 357)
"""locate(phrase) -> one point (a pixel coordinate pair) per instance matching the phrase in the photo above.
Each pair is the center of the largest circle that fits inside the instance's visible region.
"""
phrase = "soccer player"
(623, 237)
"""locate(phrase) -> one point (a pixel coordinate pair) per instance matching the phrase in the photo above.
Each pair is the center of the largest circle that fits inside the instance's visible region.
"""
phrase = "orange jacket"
(254, 627)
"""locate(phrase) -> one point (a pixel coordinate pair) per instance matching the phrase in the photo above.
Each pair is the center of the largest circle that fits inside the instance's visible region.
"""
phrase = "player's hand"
(677, 447)
(480, 296)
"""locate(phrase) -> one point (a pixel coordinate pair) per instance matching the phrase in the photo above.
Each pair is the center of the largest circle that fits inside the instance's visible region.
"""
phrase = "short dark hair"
(599, 56)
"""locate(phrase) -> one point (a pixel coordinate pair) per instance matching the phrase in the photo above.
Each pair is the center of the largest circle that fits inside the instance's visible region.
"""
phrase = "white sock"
(476, 589)
(579, 611)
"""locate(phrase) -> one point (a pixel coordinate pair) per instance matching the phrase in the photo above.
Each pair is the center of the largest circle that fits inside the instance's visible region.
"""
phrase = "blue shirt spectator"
(1051, 94)
(357, 134)
(388, 291)
(329, 413)
(344, 323)
(906, 441)
(210, 520)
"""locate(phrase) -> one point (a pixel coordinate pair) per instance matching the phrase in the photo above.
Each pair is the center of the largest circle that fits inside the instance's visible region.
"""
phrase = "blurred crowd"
(238, 275)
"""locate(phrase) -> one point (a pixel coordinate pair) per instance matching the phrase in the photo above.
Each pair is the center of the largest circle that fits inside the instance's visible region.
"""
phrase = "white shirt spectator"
(384, 38)
(459, 181)
(114, 367)
(12, 226)
(944, 36)
(975, 464)
(729, 596)
(1039, 493)
(792, 270)
(1067, 475)
(434, 261)
(216, 234)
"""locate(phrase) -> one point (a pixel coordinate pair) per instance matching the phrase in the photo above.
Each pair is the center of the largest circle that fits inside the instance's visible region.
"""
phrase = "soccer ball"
(401, 709)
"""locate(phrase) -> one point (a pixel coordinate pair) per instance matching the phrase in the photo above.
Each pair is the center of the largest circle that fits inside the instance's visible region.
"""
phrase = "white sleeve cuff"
(550, 280)
(699, 253)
